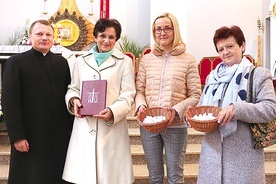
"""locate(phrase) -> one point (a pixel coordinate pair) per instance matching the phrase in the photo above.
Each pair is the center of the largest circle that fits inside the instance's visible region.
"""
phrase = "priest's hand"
(21, 145)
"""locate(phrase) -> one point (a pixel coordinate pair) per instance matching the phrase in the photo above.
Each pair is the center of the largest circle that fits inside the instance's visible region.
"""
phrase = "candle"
(90, 11)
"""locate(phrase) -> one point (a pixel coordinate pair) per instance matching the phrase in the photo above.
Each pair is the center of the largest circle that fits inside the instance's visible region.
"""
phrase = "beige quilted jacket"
(168, 81)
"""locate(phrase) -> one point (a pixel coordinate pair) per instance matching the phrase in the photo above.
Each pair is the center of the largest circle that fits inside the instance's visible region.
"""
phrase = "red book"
(93, 97)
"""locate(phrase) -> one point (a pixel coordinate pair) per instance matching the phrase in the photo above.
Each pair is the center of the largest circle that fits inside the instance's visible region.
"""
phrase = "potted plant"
(128, 45)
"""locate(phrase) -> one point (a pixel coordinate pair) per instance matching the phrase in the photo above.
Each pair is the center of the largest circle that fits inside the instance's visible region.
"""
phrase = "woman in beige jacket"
(167, 77)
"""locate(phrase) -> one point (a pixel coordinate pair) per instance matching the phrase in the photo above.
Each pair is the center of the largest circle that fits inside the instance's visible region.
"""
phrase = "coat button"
(93, 132)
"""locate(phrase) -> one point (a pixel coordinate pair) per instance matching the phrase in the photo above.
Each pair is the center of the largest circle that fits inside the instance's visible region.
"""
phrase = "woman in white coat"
(99, 149)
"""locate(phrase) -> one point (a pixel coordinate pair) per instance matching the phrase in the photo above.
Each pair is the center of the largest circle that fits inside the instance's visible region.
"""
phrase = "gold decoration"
(259, 61)
(72, 30)
(274, 9)
(66, 32)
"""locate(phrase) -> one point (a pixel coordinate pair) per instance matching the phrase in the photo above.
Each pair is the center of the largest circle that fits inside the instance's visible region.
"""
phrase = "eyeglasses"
(165, 29)
(104, 36)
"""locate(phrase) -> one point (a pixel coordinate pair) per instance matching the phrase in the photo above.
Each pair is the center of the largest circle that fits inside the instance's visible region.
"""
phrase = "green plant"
(19, 37)
(128, 45)
(14, 39)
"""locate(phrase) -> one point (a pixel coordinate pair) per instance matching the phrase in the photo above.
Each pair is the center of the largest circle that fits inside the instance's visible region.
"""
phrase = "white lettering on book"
(93, 97)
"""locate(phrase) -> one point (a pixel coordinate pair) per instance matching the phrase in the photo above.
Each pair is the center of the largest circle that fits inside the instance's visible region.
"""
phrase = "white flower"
(1, 113)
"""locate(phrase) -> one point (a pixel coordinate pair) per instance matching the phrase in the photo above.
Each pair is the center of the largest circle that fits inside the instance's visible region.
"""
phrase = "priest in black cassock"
(33, 99)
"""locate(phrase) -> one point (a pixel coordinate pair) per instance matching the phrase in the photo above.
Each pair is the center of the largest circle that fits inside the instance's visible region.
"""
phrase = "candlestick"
(44, 12)
(90, 12)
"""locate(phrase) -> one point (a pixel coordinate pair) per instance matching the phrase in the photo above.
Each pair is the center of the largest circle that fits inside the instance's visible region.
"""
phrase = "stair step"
(4, 171)
(138, 157)
(191, 149)
(191, 171)
(5, 151)
(191, 156)
(132, 122)
(141, 173)
(139, 164)
(4, 139)
(194, 137)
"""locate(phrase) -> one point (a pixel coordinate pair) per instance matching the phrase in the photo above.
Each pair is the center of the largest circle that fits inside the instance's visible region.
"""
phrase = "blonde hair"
(177, 37)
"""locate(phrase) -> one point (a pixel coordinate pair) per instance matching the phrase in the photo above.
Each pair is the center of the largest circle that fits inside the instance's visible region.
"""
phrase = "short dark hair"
(104, 23)
(42, 21)
(225, 32)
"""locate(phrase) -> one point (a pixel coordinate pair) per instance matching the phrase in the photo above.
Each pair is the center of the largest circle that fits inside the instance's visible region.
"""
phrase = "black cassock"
(34, 108)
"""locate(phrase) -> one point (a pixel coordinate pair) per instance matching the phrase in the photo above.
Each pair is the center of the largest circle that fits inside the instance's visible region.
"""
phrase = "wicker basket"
(203, 125)
(154, 111)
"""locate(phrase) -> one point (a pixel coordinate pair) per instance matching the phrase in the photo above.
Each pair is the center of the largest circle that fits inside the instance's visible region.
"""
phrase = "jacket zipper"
(163, 82)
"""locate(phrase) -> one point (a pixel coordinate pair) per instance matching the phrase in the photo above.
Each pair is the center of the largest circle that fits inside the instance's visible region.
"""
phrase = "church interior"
(73, 22)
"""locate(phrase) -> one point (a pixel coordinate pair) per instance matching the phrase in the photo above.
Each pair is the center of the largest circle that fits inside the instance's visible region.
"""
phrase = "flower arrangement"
(2, 123)
(19, 37)
(25, 39)
(1, 114)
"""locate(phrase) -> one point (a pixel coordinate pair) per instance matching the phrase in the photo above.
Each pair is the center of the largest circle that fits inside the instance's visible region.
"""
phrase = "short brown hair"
(225, 32)
(44, 22)
(104, 23)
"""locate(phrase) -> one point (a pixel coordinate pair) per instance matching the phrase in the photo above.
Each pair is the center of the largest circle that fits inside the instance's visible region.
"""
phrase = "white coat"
(100, 153)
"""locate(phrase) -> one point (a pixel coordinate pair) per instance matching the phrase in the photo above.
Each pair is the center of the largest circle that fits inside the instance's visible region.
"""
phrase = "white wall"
(134, 17)
(273, 45)
(14, 13)
(207, 16)
(273, 41)
(198, 19)
(177, 7)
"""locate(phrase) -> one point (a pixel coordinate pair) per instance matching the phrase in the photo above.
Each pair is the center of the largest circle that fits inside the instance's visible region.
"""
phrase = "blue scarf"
(100, 57)
(224, 86)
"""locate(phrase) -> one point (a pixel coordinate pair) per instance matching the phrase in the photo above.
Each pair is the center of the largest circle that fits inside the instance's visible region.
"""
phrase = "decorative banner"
(259, 61)
(104, 9)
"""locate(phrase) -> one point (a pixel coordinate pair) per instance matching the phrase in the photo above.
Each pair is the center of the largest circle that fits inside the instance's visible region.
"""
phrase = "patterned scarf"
(224, 86)
(100, 57)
